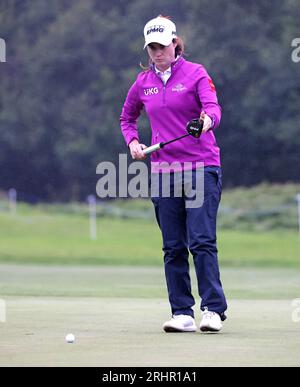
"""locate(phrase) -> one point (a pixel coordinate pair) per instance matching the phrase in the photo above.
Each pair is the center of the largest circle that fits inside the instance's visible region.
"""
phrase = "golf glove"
(207, 124)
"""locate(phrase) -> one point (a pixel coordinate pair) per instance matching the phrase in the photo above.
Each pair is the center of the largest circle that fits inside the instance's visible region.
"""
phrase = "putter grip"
(152, 148)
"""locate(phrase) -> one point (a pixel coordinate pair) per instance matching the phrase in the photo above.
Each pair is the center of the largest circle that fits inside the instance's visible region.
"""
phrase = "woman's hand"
(207, 122)
(136, 150)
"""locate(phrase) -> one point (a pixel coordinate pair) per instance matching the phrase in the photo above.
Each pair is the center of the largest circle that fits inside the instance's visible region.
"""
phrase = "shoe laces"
(208, 314)
(176, 316)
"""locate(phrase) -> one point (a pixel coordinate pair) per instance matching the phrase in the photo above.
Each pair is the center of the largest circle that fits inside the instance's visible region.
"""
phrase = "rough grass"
(37, 236)
(256, 226)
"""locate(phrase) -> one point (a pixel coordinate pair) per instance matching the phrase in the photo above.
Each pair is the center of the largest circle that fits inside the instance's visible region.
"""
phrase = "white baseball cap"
(159, 30)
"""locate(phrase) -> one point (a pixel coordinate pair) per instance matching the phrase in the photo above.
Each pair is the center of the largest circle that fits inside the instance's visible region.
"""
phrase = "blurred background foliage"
(70, 64)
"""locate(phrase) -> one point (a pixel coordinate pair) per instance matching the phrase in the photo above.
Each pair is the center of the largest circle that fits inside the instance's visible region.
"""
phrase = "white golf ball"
(70, 338)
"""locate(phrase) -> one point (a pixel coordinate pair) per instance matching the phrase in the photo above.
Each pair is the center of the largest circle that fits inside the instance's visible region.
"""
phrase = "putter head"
(194, 127)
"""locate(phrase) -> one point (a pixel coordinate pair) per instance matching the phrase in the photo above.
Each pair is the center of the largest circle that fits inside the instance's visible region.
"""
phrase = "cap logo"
(155, 28)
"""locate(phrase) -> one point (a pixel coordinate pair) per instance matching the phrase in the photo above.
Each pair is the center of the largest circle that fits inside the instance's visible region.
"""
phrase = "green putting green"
(116, 315)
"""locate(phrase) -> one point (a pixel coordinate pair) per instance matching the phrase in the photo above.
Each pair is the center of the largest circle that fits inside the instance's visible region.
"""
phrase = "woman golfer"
(174, 91)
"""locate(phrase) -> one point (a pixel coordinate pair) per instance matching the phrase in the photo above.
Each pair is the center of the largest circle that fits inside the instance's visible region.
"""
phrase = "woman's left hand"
(207, 124)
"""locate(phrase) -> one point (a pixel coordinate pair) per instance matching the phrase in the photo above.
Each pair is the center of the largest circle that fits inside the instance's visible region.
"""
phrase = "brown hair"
(179, 50)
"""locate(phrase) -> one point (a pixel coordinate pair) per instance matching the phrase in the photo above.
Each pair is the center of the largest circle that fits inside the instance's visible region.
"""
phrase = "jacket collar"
(174, 65)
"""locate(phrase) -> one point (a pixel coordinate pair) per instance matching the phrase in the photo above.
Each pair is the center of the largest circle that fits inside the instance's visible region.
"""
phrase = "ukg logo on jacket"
(151, 91)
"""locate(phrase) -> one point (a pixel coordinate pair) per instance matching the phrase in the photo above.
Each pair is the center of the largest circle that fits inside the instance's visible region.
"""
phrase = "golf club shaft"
(175, 139)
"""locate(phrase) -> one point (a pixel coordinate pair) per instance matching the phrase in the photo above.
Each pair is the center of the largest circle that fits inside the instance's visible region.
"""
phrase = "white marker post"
(298, 200)
(12, 200)
(93, 216)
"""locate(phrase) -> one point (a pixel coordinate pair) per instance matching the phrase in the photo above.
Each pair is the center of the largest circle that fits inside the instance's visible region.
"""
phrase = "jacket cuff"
(212, 117)
(131, 139)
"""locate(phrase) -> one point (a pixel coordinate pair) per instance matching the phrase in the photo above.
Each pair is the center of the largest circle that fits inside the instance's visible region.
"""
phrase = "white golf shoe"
(211, 322)
(180, 323)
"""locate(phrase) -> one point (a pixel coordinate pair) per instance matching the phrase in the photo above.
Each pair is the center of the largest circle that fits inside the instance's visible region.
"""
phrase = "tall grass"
(46, 234)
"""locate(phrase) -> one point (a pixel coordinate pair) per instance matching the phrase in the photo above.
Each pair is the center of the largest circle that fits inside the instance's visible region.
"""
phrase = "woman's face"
(162, 56)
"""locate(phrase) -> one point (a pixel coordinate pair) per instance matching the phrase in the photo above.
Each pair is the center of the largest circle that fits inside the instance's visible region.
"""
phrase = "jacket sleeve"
(208, 98)
(130, 113)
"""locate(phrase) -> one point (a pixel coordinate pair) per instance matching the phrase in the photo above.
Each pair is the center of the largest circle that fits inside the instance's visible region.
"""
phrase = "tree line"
(69, 65)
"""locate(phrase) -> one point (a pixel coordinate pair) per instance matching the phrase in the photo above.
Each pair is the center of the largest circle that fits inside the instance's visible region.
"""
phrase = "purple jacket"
(169, 107)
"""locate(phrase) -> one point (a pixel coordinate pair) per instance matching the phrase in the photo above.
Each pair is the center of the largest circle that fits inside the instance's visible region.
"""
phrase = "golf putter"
(193, 127)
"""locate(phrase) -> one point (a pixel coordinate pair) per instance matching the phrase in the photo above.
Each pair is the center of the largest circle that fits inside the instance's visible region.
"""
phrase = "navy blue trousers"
(192, 229)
